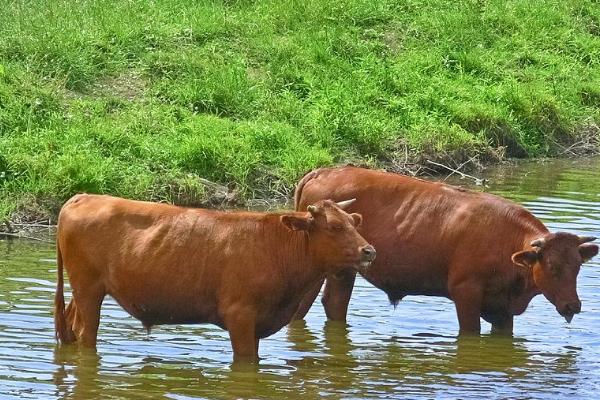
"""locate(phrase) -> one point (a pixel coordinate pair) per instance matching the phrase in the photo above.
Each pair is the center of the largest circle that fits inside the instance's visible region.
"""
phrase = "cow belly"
(272, 321)
(157, 311)
(399, 280)
(158, 292)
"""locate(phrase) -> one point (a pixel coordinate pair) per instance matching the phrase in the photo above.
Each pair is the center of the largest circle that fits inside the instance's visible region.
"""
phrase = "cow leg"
(503, 326)
(337, 293)
(70, 314)
(242, 333)
(467, 300)
(87, 303)
(307, 301)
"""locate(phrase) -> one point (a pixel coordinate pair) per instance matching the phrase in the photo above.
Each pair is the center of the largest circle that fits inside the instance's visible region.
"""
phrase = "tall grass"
(141, 98)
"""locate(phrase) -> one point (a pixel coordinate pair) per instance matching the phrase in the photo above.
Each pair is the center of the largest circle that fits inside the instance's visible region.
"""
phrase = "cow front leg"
(337, 293)
(241, 326)
(503, 326)
(467, 300)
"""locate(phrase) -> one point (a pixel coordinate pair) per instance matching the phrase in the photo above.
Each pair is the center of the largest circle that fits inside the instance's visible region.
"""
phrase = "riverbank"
(216, 104)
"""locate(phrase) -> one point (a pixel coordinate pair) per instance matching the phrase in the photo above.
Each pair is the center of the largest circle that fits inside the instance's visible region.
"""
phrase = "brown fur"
(243, 271)
(439, 240)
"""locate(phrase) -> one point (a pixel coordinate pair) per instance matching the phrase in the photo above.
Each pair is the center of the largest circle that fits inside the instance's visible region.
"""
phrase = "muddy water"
(408, 352)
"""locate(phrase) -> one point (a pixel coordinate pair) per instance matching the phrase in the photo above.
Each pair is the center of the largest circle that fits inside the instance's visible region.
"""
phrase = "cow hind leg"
(85, 310)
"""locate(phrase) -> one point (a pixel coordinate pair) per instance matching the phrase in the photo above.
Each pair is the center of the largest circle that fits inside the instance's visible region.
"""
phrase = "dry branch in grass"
(588, 142)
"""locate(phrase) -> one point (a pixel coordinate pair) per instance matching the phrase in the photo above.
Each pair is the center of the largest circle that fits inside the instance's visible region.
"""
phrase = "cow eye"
(337, 227)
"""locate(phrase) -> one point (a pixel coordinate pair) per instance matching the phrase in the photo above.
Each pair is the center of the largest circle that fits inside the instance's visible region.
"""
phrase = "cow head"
(333, 240)
(555, 259)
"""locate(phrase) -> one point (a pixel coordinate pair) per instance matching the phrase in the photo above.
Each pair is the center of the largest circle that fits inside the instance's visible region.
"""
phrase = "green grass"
(142, 98)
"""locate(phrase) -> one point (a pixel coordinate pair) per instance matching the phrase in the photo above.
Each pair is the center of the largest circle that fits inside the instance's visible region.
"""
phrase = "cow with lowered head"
(488, 255)
(243, 271)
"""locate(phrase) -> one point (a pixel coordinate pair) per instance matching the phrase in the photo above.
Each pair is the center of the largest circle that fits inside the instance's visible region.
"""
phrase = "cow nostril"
(369, 251)
(573, 308)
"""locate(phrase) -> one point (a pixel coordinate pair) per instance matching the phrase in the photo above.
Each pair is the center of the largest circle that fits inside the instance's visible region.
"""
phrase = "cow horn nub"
(585, 239)
(345, 203)
(312, 209)
(538, 243)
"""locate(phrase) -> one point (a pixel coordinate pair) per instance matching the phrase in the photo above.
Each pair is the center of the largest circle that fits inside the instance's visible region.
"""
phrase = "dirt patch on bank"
(128, 85)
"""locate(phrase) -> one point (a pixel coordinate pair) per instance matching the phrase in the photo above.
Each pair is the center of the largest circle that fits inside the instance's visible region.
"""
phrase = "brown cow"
(243, 271)
(487, 254)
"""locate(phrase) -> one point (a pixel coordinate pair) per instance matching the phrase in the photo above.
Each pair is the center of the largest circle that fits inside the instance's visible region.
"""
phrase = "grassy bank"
(143, 98)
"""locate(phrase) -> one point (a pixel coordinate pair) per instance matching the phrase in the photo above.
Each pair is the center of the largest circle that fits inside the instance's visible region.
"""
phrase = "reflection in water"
(460, 364)
(79, 366)
(301, 338)
(490, 353)
(81, 375)
(337, 340)
(410, 352)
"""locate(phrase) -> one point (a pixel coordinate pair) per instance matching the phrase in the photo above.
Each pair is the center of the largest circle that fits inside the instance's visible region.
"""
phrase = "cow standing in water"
(488, 255)
(243, 271)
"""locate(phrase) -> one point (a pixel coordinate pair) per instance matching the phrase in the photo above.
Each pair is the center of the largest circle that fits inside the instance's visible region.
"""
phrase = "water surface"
(408, 352)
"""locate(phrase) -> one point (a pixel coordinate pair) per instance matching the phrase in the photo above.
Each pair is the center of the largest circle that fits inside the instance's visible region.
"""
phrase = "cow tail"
(300, 186)
(61, 332)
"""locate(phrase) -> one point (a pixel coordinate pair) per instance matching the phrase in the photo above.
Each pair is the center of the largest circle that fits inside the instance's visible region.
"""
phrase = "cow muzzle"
(367, 255)
(568, 310)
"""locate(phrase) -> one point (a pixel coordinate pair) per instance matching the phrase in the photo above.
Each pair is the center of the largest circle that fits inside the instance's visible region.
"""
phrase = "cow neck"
(529, 289)
(538, 230)
(301, 263)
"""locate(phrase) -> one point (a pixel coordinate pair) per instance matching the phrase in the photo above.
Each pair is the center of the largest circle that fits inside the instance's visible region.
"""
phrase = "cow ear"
(357, 219)
(525, 258)
(588, 251)
(295, 223)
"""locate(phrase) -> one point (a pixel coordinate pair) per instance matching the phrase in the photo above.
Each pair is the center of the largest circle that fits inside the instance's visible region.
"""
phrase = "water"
(408, 352)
